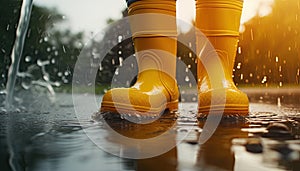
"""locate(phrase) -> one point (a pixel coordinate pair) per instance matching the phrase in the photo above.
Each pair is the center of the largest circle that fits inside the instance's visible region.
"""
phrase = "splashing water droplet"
(100, 67)
(17, 50)
(66, 73)
(194, 99)
(117, 71)
(27, 59)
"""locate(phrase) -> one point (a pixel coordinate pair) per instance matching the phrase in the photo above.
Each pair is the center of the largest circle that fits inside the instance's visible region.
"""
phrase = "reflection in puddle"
(269, 139)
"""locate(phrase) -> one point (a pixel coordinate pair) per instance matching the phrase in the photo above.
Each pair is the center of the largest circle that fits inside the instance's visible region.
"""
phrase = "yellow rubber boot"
(219, 20)
(153, 27)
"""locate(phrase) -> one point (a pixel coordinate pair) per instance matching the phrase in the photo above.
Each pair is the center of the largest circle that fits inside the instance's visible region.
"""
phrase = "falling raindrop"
(186, 69)
(121, 61)
(187, 79)
(120, 39)
(240, 50)
(251, 32)
(276, 59)
(64, 49)
(113, 61)
(279, 68)
(257, 51)
(264, 80)
(239, 65)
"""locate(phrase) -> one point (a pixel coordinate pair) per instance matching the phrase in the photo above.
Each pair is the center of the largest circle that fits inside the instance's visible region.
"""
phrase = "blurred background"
(39, 135)
(268, 53)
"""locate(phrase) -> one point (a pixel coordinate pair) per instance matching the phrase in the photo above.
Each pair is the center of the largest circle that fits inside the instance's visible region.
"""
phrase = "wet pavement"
(52, 138)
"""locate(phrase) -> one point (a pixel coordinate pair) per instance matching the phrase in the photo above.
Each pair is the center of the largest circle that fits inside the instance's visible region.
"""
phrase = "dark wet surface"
(54, 139)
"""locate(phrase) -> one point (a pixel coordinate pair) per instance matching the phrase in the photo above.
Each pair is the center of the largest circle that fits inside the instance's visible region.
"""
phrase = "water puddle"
(269, 139)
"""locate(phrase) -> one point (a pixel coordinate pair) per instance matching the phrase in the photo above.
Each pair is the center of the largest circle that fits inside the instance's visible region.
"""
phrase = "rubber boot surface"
(219, 20)
(154, 37)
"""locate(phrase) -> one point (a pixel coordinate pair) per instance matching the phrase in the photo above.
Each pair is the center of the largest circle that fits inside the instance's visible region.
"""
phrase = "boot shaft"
(154, 32)
(219, 21)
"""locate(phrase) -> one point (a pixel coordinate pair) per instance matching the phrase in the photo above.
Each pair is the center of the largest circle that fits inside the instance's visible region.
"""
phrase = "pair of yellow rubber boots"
(153, 25)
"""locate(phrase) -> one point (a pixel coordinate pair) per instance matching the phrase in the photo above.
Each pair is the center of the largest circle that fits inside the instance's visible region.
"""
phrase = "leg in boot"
(219, 20)
(153, 27)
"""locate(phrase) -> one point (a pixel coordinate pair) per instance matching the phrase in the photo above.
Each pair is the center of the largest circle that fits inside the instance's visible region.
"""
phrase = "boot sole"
(138, 110)
(228, 109)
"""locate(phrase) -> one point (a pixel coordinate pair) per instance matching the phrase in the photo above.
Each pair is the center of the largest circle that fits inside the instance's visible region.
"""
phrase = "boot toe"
(230, 101)
(133, 101)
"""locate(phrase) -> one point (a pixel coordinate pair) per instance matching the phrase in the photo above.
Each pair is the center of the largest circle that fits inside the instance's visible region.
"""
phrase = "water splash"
(17, 50)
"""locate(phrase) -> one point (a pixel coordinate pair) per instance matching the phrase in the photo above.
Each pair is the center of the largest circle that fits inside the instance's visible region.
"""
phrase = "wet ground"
(50, 137)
